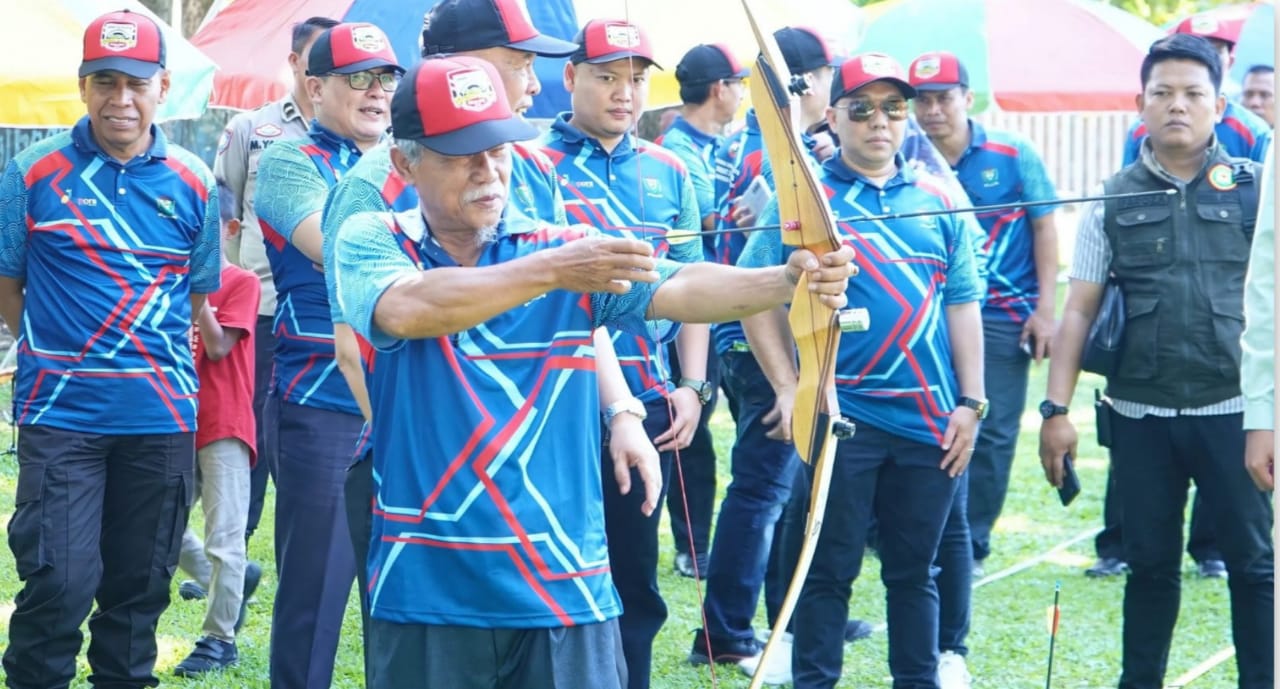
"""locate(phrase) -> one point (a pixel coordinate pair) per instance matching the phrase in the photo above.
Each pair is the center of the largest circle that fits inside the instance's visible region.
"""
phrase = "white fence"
(1080, 148)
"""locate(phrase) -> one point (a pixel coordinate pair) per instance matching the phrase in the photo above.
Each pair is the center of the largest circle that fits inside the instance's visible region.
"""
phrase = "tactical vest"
(1181, 263)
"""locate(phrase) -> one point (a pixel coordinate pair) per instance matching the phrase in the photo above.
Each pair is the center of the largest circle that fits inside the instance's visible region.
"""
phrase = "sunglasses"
(863, 109)
(363, 81)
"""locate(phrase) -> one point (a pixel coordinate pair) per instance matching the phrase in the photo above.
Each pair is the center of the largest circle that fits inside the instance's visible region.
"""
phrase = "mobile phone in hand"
(1070, 481)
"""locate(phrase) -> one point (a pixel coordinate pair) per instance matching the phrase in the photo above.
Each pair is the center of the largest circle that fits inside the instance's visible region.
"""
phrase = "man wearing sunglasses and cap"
(109, 242)
(489, 539)
(351, 74)
(913, 382)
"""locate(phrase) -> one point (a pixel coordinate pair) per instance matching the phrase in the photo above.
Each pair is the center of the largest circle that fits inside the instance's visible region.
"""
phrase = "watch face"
(1049, 409)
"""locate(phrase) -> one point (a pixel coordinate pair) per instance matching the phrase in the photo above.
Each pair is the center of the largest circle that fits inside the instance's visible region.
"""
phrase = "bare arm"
(442, 301)
(218, 341)
(769, 335)
(1040, 326)
(964, 327)
(347, 350)
(610, 383)
(11, 303)
(197, 304)
(307, 238)
(1057, 434)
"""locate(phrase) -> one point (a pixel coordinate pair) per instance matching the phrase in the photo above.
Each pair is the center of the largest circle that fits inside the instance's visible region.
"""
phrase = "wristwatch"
(626, 405)
(978, 406)
(702, 387)
(1048, 409)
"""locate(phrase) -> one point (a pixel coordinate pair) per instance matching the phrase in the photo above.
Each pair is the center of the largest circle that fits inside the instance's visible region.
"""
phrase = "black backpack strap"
(1247, 183)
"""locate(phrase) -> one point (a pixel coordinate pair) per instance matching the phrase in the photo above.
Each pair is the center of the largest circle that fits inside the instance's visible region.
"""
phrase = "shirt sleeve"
(1258, 360)
(239, 306)
(206, 255)
(231, 165)
(1036, 185)
(626, 312)
(1092, 259)
(367, 262)
(350, 197)
(13, 223)
(1261, 147)
(963, 283)
(764, 249)
(1132, 145)
(289, 190)
(686, 236)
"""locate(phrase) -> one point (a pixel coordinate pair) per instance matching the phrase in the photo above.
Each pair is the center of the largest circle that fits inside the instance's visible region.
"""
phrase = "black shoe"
(252, 575)
(1212, 569)
(723, 652)
(210, 654)
(190, 590)
(684, 566)
(1107, 567)
(856, 629)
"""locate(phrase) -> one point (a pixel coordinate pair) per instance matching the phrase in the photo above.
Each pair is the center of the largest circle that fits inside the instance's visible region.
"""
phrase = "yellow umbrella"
(42, 40)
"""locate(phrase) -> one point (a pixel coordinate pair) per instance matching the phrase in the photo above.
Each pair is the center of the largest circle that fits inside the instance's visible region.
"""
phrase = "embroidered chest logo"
(990, 177)
(652, 186)
(165, 207)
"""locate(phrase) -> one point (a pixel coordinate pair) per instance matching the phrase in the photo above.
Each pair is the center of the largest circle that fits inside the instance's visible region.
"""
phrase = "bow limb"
(808, 223)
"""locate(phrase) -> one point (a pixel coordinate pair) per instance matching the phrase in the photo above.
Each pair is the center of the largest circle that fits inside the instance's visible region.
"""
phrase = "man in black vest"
(1177, 407)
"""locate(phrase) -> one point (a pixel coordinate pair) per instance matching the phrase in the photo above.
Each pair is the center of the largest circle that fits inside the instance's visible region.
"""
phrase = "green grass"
(1008, 643)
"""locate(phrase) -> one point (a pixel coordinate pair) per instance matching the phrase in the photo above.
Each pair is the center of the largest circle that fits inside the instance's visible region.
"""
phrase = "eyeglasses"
(863, 109)
(363, 81)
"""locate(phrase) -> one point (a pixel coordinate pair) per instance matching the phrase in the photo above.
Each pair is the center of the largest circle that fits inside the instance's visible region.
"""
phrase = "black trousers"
(264, 343)
(358, 498)
(698, 470)
(633, 555)
(1153, 460)
(1201, 543)
(97, 518)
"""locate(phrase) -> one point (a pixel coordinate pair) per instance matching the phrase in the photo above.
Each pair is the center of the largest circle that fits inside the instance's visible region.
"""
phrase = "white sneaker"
(778, 671)
(952, 672)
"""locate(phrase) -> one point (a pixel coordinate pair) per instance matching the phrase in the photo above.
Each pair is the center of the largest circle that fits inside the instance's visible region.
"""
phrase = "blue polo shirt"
(898, 376)
(294, 179)
(739, 161)
(490, 515)
(641, 191)
(1241, 133)
(110, 253)
(1001, 167)
(697, 150)
(373, 185)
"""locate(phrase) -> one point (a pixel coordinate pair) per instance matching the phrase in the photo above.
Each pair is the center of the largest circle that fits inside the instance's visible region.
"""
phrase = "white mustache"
(478, 194)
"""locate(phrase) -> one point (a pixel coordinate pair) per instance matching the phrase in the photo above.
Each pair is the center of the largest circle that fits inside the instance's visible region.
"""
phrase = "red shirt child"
(225, 359)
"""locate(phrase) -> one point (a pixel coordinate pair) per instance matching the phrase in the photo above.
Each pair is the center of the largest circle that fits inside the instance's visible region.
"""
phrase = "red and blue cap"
(1206, 25)
(456, 106)
(938, 71)
(606, 40)
(123, 41)
(456, 26)
(867, 68)
(349, 48)
(708, 63)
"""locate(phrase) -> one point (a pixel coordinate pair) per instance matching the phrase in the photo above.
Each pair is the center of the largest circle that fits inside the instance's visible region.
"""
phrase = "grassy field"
(1009, 641)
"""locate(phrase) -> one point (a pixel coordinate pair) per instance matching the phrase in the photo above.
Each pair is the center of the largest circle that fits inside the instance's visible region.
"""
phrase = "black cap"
(708, 63)
(456, 26)
(803, 49)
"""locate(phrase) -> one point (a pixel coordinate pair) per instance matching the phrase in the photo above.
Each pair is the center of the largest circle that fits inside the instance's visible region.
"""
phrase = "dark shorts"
(410, 656)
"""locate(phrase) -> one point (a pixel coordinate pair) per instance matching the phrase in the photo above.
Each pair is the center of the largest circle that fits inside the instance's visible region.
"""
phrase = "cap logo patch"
(1221, 177)
(928, 67)
(1203, 24)
(623, 36)
(368, 39)
(877, 65)
(470, 89)
(119, 36)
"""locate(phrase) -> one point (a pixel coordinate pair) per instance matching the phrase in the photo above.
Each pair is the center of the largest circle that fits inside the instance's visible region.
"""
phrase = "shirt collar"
(414, 225)
(977, 135)
(1148, 157)
(572, 135)
(836, 167)
(322, 134)
(699, 137)
(82, 137)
